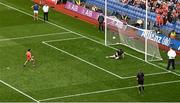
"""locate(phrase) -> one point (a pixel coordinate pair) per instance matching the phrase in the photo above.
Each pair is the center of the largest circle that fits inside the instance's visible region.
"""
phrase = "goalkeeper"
(118, 54)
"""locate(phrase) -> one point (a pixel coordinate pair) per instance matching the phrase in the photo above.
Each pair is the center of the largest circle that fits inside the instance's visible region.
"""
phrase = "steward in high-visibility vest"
(78, 2)
(173, 34)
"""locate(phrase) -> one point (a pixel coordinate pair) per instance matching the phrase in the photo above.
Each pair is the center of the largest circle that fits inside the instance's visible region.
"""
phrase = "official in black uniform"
(140, 80)
(101, 20)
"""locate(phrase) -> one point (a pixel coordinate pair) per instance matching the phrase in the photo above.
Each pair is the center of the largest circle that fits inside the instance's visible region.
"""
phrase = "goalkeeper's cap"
(120, 50)
(29, 49)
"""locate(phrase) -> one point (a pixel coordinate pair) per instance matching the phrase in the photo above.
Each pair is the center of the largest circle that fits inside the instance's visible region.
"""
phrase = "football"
(114, 37)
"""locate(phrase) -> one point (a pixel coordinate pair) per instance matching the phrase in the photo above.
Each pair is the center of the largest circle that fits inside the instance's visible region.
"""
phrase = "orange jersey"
(28, 55)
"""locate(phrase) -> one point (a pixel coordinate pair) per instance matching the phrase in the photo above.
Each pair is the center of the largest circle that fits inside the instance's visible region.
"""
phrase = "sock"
(143, 88)
(140, 89)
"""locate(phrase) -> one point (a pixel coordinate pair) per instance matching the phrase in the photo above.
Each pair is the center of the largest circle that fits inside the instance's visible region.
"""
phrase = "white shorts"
(35, 12)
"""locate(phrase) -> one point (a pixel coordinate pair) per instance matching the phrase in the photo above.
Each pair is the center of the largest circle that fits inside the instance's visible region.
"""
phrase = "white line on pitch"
(63, 39)
(163, 68)
(153, 74)
(82, 60)
(88, 38)
(107, 90)
(33, 36)
(114, 48)
(19, 91)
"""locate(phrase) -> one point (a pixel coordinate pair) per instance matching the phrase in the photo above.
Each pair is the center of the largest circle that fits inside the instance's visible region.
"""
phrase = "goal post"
(140, 40)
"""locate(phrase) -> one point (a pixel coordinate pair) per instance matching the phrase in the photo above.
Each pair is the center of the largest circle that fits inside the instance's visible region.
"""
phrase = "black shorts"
(140, 82)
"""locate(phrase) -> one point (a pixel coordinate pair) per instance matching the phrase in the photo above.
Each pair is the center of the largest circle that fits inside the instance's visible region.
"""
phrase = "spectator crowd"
(166, 10)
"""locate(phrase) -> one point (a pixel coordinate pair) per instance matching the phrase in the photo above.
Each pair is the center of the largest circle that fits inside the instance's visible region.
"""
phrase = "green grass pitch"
(71, 64)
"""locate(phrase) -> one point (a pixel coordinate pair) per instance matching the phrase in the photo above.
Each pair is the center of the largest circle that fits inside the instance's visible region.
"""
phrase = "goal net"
(140, 40)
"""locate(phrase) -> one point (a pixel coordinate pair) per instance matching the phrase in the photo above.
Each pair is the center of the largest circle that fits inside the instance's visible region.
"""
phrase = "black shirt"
(101, 19)
(140, 76)
(119, 53)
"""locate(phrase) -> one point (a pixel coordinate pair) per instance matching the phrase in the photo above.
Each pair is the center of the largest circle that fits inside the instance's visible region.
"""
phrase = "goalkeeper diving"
(117, 55)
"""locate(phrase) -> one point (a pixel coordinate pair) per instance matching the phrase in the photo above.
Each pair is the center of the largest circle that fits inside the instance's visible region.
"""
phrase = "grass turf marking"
(10, 86)
(62, 39)
(128, 77)
(107, 90)
(82, 60)
(25, 37)
(152, 74)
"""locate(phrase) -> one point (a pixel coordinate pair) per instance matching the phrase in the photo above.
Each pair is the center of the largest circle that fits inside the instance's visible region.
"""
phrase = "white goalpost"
(140, 40)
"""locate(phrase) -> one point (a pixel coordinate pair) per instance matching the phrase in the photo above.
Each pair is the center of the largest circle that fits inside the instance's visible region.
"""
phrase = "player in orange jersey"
(29, 58)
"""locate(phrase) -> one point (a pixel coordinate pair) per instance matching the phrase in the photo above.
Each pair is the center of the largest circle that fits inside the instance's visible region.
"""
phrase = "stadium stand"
(133, 12)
